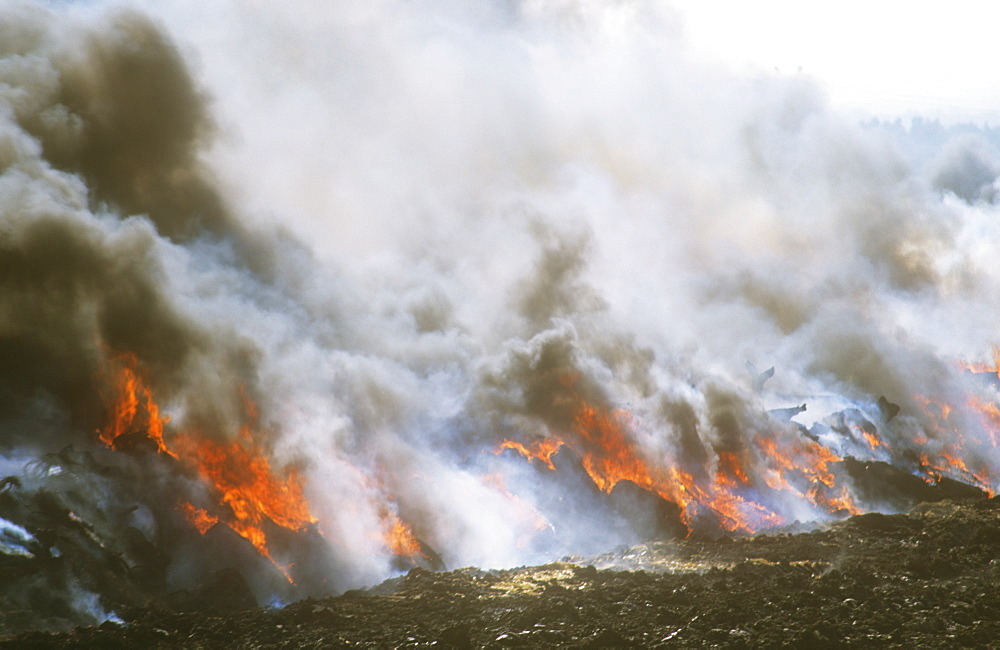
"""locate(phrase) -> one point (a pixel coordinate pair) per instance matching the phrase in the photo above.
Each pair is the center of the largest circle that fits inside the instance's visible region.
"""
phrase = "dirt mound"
(921, 579)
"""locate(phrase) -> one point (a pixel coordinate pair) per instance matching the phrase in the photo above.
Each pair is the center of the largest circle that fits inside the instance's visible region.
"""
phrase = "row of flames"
(733, 491)
(781, 466)
(604, 441)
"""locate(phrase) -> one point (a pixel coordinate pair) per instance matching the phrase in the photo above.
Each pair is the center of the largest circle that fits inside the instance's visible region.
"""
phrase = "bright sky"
(884, 57)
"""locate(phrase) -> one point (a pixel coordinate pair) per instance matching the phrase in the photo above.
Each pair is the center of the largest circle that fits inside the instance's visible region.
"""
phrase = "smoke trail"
(466, 284)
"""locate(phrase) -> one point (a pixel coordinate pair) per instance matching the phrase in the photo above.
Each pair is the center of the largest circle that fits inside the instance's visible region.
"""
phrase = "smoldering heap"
(479, 288)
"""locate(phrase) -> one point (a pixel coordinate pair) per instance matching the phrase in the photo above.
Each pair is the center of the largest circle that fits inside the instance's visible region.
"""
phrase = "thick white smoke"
(408, 231)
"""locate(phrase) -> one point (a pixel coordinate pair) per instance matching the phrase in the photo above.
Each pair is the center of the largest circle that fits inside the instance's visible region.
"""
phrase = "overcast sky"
(884, 57)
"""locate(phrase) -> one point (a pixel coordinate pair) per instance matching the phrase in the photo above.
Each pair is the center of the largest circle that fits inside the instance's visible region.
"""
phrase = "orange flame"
(989, 415)
(931, 473)
(806, 457)
(241, 473)
(395, 534)
(950, 441)
(842, 501)
(955, 467)
(810, 461)
(984, 367)
(729, 471)
(870, 437)
(937, 412)
(134, 400)
(739, 512)
(197, 517)
(542, 450)
(239, 470)
(399, 537)
(603, 440)
(610, 456)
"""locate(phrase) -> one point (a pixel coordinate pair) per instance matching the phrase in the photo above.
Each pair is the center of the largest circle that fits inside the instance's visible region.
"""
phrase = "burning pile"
(247, 493)
(783, 472)
(531, 342)
(238, 471)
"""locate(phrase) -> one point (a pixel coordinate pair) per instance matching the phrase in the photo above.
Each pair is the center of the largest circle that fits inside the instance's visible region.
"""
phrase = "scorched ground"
(926, 578)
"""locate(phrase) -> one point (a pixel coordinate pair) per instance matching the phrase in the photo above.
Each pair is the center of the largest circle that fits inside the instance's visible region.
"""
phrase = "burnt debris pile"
(297, 302)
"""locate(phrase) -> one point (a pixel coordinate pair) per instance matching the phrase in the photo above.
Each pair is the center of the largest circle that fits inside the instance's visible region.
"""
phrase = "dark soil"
(927, 578)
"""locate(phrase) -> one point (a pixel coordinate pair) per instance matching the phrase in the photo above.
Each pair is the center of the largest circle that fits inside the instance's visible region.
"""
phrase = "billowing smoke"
(294, 298)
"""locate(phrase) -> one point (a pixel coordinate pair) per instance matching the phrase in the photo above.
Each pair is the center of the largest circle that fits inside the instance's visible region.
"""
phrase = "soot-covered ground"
(926, 578)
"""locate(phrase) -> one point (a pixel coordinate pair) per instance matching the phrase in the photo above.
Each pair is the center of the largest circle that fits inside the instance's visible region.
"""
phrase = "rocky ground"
(927, 578)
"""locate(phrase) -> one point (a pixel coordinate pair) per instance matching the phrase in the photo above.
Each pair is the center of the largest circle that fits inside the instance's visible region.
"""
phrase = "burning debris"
(207, 407)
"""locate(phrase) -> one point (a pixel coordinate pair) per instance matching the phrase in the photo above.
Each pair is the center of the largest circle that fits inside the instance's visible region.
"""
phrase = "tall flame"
(395, 535)
(399, 537)
(133, 409)
(241, 473)
(238, 470)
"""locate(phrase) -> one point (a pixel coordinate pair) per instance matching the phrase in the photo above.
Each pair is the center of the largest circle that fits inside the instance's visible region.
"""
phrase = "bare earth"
(927, 578)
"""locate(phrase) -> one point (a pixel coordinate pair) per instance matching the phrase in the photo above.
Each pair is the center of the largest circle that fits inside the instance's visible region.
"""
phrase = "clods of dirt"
(922, 579)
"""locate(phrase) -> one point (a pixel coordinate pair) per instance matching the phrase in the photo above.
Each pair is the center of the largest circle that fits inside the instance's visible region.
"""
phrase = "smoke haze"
(381, 238)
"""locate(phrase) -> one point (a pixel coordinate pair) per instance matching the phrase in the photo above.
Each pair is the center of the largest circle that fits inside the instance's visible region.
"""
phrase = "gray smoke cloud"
(407, 233)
